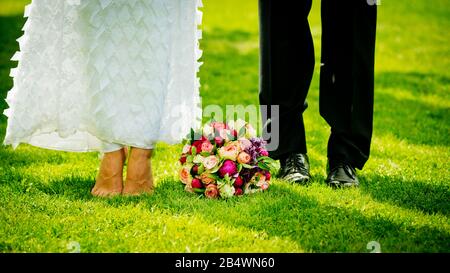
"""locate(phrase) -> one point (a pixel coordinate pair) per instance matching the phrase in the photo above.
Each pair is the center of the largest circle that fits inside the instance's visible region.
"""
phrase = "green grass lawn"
(403, 202)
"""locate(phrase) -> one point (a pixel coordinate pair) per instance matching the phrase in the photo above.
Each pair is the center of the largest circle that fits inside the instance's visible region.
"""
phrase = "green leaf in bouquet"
(239, 168)
(242, 131)
(231, 136)
(194, 151)
(215, 169)
(201, 169)
(214, 176)
(192, 135)
(263, 166)
(189, 158)
(205, 154)
(269, 162)
(199, 190)
(247, 166)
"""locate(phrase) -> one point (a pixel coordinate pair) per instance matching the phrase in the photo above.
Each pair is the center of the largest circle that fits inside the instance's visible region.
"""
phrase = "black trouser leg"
(287, 65)
(347, 78)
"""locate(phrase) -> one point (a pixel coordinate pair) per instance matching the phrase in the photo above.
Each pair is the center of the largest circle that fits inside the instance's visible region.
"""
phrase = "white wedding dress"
(98, 72)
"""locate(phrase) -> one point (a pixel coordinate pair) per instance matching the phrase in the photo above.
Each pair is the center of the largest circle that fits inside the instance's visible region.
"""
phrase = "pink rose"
(210, 162)
(185, 175)
(228, 167)
(211, 191)
(219, 126)
(207, 147)
(244, 158)
(230, 151)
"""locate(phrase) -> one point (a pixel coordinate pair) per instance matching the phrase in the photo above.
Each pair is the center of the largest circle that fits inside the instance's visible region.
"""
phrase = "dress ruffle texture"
(117, 71)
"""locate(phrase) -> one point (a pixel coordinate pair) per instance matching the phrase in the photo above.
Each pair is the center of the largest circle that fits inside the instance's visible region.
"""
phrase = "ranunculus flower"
(229, 151)
(207, 147)
(238, 191)
(186, 149)
(238, 182)
(185, 175)
(210, 162)
(206, 179)
(183, 159)
(196, 183)
(244, 158)
(264, 152)
(211, 191)
(226, 191)
(228, 167)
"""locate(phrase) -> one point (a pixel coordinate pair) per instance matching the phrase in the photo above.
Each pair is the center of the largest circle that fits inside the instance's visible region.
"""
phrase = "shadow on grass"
(284, 212)
(312, 225)
(408, 119)
(411, 194)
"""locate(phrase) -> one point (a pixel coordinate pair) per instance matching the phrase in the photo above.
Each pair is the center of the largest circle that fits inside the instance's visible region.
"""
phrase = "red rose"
(238, 191)
(196, 183)
(238, 182)
(198, 146)
(194, 170)
(183, 159)
(264, 152)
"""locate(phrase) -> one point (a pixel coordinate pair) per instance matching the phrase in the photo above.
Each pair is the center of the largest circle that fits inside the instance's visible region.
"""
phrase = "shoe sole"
(297, 179)
(338, 184)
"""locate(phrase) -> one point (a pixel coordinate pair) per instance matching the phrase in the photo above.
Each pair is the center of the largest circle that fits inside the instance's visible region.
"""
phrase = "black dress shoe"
(295, 168)
(341, 174)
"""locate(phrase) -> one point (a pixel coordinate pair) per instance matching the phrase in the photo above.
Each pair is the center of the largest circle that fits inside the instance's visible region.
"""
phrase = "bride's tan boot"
(109, 180)
(139, 174)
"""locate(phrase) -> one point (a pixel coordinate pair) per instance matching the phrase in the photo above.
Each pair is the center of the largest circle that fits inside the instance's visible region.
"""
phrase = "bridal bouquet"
(225, 160)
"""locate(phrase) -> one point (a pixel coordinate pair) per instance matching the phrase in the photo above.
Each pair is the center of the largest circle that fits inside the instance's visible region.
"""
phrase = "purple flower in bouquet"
(247, 174)
(256, 149)
(228, 167)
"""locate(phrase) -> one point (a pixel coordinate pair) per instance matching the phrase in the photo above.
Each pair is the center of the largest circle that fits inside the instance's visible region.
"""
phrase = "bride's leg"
(109, 180)
(139, 174)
